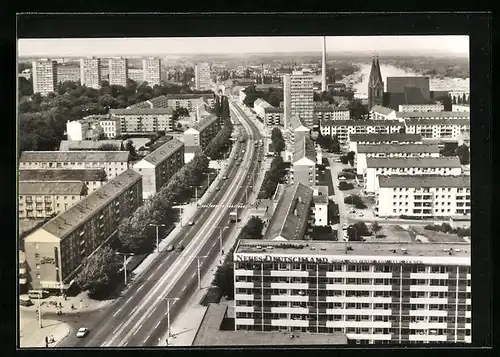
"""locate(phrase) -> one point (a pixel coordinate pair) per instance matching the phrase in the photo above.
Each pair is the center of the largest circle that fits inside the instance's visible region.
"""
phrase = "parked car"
(217, 189)
(170, 248)
(82, 332)
(225, 177)
(190, 223)
(180, 248)
(360, 214)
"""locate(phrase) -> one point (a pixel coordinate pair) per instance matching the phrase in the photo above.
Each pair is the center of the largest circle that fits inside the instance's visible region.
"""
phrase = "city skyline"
(454, 45)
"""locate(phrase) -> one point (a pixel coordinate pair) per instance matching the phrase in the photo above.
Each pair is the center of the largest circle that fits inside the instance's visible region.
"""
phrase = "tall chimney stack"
(323, 70)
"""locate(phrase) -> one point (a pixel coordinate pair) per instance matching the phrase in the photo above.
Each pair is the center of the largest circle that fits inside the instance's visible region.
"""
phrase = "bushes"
(446, 228)
(356, 231)
(343, 186)
(355, 200)
(347, 175)
(272, 177)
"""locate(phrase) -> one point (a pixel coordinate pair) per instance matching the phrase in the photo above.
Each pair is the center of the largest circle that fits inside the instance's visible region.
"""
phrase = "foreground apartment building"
(372, 292)
(437, 128)
(344, 128)
(113, 162)
(395, 138)
(159, 166)
(365, 151)
(446, 166)
(143, 120)
(55, 251)
(198, 137)
(425, 196)
(92, 178)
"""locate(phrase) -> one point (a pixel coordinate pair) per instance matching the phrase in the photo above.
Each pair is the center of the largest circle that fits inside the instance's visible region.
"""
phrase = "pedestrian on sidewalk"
(46, 341)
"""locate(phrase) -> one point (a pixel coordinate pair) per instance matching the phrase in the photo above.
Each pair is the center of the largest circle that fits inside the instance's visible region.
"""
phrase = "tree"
(454, 101)
(446, 101)
(449, 149)
(463, 154)
(99, 271)
(277, 140)
(355, 200)
(254, 228)
(129, 146)
(25, 87)
(132, 232)
(344, 159)
(108, 147)
(357, 231)
(343, 186)
(375, 227)
(357, 109)
(350, 157)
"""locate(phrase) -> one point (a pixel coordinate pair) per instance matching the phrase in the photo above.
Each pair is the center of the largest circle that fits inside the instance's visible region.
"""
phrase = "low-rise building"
(273, 117)
(55, 251)
(427, 196)
(464, 108)
(92, 178)
(365, 151)
(187, 101)
(260, 106)
(344, 128)
(433, 115)
(159, 166)
(42, 199)
(197, 138)
(113, 162)
(464, 138)
(375, 293)
(91, 128)
(437, 128)
(292, 216)
(303, 168)
(320, 205)
(396, 138)
(331, 113)
(446, 166)
(143, 120)
(435, 107)
(88, 145)
(382, 113)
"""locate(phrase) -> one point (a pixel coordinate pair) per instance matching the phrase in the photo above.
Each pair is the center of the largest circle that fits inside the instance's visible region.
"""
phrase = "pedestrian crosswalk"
(227, 206)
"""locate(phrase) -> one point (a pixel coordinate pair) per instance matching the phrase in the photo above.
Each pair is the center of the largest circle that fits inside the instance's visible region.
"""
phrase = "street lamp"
(195, 192)
(198, 266)
(169, 332)
(220, 238)
(125, 263)
(181, 211)
(156, 227)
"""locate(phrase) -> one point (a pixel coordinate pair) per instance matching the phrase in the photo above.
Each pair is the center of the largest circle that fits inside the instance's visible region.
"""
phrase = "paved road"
(137, 317)
(339, 197)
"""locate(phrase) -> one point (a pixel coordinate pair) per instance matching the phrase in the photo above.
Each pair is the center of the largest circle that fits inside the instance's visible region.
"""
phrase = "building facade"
(273, 117)
(344, 128)
(445, 166)
(44, 73)
(436, 107)
(398, 85)
(202, 76)
(396, 138)
(198, 137)
(113, 162)
(55, 251)
(43, 199)
(90, 72)
(323, 114)
(91, 128)
(152, 71)
(298, 98)
(365, 151)
(427, 196)
(143, 120)
(373, 292)
(159, 166)
(303, 168)
(382, 113)
(464, 108)
(437, 128)
(118, 71)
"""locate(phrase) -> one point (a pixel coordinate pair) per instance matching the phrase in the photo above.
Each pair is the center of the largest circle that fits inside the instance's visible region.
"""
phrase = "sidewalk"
(31, 335)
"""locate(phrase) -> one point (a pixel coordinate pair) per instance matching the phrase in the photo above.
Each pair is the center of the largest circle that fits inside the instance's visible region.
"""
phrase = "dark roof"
(75, 156)
(398, 84)
(304, 147)
(375, 74)
(362, 123)
(63, 224)
(273, 110)
(379, 138)
(143, 111)
(62, 175)
(397, 162)
(446, 115)
(190, 96)
(398, 148)
(52, 188)
(67, 145)
(164, 151)
(284, 222)
(145, 104)
(205, 122)
(410, 95)
(442, 121)
(424, 181)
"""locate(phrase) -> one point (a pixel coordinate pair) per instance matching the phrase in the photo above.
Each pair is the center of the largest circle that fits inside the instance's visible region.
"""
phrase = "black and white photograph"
(244, 191)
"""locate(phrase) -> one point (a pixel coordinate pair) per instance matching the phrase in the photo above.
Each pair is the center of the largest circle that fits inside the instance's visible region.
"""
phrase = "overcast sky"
(455, 45)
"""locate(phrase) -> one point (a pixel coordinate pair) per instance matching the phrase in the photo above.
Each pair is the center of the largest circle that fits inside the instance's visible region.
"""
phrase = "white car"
(82, 332)
(344, 227)
(190, 223)
(360, 214)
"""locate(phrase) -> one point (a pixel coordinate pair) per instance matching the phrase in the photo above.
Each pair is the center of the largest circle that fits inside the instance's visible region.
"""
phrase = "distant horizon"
(434, 46)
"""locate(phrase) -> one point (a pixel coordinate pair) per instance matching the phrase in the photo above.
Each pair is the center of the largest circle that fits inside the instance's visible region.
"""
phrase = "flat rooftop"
(362, 123)
(402, 162)
(385, 137)
(164, 151)
(398, 148)
(321, 248)
(62, 175)
(75, 156)
(209, 334)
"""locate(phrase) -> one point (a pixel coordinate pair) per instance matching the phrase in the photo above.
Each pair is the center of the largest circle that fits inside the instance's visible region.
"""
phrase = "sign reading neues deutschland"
(316, 260)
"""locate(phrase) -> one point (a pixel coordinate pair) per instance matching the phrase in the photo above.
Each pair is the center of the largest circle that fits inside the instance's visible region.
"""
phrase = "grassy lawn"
(392, 233)
(437, 237)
